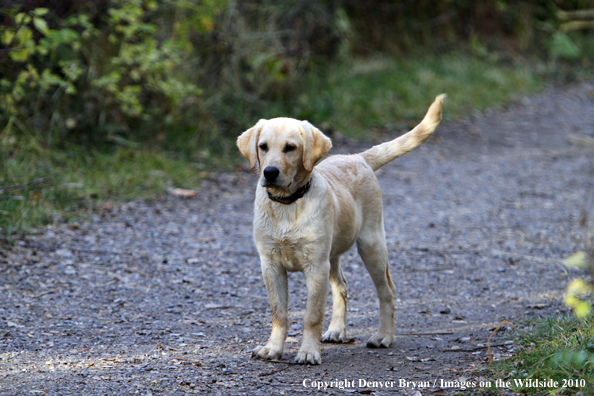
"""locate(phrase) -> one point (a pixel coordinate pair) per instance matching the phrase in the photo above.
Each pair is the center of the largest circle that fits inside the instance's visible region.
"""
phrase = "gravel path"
(166, 297)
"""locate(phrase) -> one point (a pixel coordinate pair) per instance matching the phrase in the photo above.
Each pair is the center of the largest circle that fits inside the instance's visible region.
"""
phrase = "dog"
(307, 214)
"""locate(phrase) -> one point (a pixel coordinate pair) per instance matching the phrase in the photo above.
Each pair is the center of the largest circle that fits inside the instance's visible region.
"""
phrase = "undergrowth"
(559, 349)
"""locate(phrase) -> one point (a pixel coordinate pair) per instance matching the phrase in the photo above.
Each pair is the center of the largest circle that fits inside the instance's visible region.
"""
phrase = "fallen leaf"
(182, 192)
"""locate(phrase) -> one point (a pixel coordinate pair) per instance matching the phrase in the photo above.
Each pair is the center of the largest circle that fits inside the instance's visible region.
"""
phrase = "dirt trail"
(166, 297)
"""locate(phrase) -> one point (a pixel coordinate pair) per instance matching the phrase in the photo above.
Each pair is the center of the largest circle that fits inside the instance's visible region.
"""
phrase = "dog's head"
(286, 151)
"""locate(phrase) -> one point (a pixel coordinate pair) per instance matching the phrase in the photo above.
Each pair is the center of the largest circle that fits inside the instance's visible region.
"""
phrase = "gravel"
(165, 297)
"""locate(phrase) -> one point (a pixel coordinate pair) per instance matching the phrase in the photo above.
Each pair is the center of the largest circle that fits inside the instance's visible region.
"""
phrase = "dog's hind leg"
(337, 329)
(372, 248)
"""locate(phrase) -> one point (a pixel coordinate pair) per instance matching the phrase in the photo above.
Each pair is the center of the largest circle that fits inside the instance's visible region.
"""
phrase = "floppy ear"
(247, 143)
(316, 145)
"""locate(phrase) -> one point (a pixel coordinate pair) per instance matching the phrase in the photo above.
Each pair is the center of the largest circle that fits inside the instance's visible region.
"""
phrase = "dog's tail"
(380, 155)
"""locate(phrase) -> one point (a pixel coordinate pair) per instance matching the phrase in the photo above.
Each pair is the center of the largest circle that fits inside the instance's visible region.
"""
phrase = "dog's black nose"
(271, 173)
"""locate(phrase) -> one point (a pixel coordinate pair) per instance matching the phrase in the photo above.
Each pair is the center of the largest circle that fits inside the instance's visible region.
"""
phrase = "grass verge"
(40, 186)
(558, 349)
(389, 93)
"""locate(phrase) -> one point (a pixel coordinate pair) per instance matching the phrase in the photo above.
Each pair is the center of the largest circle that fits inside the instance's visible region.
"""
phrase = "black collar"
(294, 197)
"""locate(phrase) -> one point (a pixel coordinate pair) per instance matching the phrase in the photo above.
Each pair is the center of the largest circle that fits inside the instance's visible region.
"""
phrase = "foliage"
(402, 26)
(183, 73)
(133, 68)
(558, 349)
(93, 74)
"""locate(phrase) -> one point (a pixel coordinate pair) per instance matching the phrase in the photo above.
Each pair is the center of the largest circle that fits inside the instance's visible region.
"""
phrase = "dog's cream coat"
(342, 207)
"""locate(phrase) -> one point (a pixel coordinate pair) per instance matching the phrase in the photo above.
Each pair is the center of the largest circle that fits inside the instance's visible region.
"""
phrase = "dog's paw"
(308, 357)
(380, 341)
(334, 336)
(267, 352)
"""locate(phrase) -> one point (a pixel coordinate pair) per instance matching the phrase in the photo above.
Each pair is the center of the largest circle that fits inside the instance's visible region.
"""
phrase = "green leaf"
(41, 25)
(19, 56)
(50, 78)
(42, 50)
(39, 12)
(22, 18)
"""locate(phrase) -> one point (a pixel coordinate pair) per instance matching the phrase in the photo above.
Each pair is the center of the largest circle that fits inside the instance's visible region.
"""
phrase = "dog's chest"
(292, 255)
(291, 242)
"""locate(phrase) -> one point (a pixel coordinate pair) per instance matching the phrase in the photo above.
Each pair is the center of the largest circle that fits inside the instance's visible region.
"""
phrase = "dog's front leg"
(316, 280)
(278, 290)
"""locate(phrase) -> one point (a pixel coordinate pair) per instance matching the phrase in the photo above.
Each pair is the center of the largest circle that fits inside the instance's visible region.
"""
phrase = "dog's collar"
(294, 197)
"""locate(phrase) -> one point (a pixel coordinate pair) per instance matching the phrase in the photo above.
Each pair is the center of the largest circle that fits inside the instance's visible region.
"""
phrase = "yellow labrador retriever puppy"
(308, 215)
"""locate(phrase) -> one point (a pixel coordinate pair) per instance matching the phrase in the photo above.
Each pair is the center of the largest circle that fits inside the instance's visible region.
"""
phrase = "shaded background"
(118, 99)
(90, 71)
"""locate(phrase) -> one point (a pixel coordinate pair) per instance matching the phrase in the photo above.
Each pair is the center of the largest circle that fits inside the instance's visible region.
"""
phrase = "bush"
(183, 73)
(93, 73)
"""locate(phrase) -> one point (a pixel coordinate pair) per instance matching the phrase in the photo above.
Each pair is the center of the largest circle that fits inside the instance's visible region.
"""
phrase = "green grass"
(389, 93)
(555, 348)
(39, 186)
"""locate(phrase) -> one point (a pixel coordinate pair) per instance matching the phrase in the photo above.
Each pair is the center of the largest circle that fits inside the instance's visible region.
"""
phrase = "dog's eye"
(263, 147)
(288, 148)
